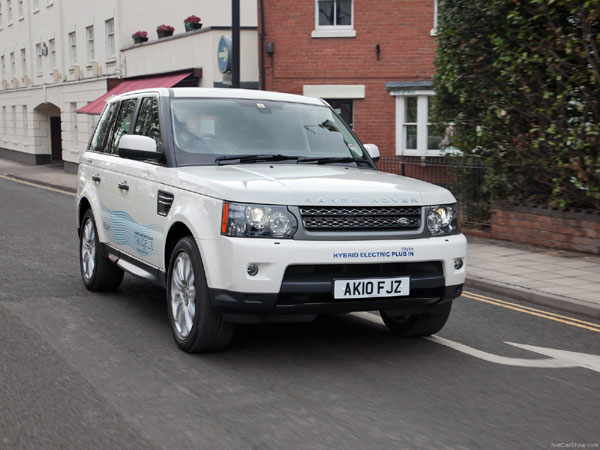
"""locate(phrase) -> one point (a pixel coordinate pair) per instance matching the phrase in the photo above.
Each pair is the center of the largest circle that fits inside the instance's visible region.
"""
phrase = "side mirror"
(133, 146)
(373, 151)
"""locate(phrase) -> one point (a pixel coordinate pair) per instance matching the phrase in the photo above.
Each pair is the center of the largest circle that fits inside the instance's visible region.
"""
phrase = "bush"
(521, 82)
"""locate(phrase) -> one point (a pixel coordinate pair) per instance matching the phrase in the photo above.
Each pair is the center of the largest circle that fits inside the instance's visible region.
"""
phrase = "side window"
(147, 121)
(122, 124)
(99, 140)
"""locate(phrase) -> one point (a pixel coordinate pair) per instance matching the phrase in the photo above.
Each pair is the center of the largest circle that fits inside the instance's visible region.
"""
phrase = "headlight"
(262, 221)
(442, 220)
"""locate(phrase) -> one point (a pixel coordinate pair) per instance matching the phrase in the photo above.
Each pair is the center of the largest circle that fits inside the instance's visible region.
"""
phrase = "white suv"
(252, 206)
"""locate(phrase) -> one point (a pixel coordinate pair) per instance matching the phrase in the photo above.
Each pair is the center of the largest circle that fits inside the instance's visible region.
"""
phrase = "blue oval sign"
(224, 54)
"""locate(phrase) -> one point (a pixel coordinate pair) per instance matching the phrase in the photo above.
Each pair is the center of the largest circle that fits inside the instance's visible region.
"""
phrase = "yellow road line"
(41, 186)
(541, 314)
(533, 309)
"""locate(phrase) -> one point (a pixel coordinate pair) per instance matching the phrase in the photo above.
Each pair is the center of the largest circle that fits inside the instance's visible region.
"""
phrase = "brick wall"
(579, 231)
(401, 28)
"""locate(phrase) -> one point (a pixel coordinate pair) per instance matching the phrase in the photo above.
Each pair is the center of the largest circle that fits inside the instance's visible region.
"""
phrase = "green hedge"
(520, 79)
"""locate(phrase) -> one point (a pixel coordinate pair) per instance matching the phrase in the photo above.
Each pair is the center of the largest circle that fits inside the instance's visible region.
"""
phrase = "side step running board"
(146, 273)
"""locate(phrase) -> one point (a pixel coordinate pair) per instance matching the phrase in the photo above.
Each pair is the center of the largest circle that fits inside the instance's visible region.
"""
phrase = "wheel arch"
(177, 231)
(84, 205)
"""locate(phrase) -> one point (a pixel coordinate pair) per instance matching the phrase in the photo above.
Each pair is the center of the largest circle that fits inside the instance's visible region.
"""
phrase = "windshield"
(208, 130)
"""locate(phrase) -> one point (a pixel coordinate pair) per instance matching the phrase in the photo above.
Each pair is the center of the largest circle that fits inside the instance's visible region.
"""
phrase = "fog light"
(252, 269)
(458, 263)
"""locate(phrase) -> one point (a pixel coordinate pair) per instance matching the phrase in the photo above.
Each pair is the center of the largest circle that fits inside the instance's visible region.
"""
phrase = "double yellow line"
(533, 311)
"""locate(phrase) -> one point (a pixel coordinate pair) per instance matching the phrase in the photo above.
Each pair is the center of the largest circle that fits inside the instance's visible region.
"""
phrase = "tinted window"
(147, 121)
(123, 122)
(99, 140)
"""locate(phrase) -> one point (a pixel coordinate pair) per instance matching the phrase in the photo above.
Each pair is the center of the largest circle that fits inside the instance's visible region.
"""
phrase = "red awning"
(96, 106)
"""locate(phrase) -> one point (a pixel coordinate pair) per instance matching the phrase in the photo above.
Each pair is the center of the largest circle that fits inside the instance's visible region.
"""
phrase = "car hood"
(308, 184)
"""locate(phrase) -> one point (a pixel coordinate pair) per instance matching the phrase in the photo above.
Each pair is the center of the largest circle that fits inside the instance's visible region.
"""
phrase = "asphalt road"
(84, 370)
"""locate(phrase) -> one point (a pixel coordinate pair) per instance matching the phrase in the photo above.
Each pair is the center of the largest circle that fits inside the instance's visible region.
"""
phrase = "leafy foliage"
(520, 79)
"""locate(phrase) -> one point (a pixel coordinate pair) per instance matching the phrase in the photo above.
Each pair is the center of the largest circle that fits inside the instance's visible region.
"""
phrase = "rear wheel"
(97, 272)
(196, 325)
(417, 325)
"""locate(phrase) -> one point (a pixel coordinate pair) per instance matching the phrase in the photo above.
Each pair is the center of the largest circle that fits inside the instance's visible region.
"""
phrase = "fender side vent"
(164, 201)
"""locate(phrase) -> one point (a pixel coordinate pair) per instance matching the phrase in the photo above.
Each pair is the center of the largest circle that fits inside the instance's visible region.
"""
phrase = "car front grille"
(360, 218)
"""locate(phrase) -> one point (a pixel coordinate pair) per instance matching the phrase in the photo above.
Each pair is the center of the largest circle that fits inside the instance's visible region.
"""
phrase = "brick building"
(371, 59)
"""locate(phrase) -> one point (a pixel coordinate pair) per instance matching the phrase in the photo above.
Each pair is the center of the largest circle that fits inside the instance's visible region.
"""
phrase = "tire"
(196, 325)
(97, 272)
(418, 325)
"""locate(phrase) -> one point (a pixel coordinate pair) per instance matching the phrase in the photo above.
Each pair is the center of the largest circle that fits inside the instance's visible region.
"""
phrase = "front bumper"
(296, 277)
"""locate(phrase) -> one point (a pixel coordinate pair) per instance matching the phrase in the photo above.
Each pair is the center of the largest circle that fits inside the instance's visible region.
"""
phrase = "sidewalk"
(561, 279)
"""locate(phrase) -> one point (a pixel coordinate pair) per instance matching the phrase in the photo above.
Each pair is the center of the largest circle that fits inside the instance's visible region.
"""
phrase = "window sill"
(21, 18)
(433, 32)
(49, 4)
(9, 24)
(333, 34)
(40, 74)
(111, 61)
(35, 11)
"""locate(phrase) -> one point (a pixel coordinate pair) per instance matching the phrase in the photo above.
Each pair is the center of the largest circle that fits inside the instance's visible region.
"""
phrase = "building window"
(3, 63)
(38, 56)
(14, 120)
(89, 32)
(110, 38)
(4, 119)
(9, 11)
(334, 13)
(415, 135)
(73, 48)
(1, 21)
(75, 123)
(13, 66)
(20, 8)
(25, 124)
(23, 62)
(52, 51)
(434, 30)
(343, 107)
(36, 5)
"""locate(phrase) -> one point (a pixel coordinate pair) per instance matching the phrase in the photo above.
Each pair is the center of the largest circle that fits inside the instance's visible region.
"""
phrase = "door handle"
(96, 178)
(124, 186)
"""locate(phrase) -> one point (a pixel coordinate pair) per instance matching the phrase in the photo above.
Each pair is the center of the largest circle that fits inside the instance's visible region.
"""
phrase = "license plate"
(371, 287)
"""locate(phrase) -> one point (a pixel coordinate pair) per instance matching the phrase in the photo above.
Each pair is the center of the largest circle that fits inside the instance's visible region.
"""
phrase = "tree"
(520, 79)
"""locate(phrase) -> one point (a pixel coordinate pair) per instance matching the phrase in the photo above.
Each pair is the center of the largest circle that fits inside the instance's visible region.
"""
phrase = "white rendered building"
(57, 56)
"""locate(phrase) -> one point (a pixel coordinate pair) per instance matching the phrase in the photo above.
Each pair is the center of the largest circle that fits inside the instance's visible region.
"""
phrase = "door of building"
(55, 138)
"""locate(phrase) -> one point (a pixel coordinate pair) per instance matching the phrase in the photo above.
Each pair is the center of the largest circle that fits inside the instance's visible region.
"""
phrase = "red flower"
(165, 28)
(139, 34)
(192, 19)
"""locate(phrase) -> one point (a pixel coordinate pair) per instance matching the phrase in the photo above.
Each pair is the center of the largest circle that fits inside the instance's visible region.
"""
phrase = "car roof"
(249, 94)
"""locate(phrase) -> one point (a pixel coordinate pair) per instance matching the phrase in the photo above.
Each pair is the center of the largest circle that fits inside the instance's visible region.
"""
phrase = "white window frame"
(38, 56)
(89, 36)
(75, 124)
(23, 62)
(3, 63)
(434, 30)
(1, 17)
(109, 28)
(25, 124)
(13, 65)
(20, 10)
(335, 31)
(52, 52)
(14, 120)
(4, 119)
(73, 48)
(9, 11)
(36, 5)
(423, 97)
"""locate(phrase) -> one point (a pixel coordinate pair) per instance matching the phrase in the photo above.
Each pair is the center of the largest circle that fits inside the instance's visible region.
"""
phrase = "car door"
(97, 161)
(145, 200)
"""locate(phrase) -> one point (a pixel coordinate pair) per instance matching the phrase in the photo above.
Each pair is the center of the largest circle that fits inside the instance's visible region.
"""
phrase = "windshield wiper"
(255, 158)
(329, 160)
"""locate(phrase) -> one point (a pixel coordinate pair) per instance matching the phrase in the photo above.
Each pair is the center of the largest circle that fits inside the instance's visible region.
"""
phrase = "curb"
(40, 183)
(527, 295)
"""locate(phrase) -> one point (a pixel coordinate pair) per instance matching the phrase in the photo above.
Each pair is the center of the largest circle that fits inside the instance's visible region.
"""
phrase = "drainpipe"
(262, 46)
(235, 43)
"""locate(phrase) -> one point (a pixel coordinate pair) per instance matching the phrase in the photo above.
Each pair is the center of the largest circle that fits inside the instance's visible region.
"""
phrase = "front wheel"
(196, 325)
(417, 325)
